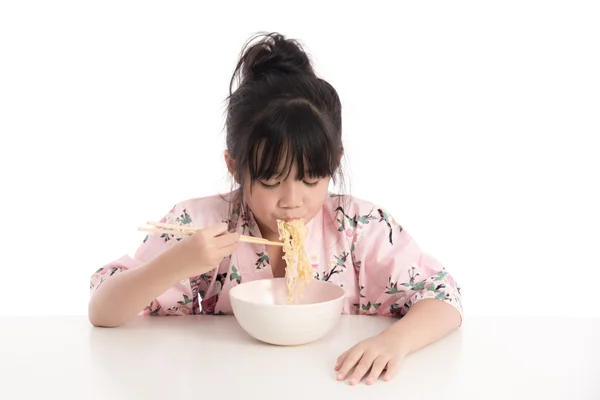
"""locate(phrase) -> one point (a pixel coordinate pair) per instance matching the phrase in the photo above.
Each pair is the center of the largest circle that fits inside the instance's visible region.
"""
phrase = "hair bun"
(274, 53)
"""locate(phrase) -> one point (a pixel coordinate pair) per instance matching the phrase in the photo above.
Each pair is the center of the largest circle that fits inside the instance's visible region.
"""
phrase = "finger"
(349, 363)
(226, 240)
(227, 250)
(376, 369)
(362, 368)
(215, 230)
(392, 368)
(340, 360)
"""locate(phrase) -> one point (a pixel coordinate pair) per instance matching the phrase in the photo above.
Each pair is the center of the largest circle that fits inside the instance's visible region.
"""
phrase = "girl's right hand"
(204, 250)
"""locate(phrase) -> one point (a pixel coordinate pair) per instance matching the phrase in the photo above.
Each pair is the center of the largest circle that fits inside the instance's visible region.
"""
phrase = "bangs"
(292, 134)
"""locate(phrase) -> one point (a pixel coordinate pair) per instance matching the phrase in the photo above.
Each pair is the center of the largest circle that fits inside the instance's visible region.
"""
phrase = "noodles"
(298, 271)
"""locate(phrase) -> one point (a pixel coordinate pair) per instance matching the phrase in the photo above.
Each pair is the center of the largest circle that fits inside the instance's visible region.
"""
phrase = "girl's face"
(285, 198)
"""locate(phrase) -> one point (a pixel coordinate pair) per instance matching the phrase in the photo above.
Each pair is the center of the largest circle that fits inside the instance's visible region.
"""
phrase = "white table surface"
(211, 357)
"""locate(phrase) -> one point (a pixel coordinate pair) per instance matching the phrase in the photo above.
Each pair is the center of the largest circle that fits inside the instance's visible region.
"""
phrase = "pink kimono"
(351, 243)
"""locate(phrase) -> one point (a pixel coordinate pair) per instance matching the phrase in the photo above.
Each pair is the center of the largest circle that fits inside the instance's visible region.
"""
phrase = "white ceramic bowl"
(261, 309)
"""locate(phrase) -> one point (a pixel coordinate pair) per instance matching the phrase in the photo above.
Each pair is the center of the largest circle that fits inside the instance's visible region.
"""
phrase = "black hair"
(282, 113)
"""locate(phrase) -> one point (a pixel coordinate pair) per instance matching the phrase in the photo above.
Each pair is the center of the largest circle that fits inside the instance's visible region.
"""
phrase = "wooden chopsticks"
(174, 229)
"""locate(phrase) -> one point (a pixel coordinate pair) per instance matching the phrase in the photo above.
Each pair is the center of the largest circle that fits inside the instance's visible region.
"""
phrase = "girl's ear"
(230, 162)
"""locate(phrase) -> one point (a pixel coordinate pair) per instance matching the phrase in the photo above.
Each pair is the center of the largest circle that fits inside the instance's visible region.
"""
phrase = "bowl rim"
(337, 299)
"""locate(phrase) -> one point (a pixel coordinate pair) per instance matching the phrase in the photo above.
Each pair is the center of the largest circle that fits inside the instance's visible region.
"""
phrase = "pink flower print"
(357, 233)
(349, 233)
(168, 216)
(314, 260)
(359, 229)
(173, 310)
(209, 305)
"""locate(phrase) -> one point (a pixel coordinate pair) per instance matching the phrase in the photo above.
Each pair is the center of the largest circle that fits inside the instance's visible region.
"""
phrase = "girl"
(284, 145)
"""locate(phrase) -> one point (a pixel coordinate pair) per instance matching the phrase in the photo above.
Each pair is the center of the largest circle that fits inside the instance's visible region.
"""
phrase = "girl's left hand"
(380, 354)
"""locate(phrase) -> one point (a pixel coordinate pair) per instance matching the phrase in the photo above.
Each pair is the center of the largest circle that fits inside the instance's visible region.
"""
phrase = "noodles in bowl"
(293, 310)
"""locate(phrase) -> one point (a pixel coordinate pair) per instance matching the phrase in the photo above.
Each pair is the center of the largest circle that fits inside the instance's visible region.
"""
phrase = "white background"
(475, 123)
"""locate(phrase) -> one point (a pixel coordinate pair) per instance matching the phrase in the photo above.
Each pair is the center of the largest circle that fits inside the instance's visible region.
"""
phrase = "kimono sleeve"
(176, 300)
(393, 272)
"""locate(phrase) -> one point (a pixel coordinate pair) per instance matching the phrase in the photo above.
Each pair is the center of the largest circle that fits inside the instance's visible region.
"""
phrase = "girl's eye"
(267, 186)
(311, 184)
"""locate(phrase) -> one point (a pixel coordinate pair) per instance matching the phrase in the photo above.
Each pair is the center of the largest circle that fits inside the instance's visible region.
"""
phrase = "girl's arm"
(425, 322)
(155, 280)
(125, 294)
(397, 279)
(130, 285)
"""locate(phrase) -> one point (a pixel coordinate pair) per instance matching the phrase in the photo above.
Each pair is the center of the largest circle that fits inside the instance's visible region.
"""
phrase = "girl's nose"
(291, 197)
